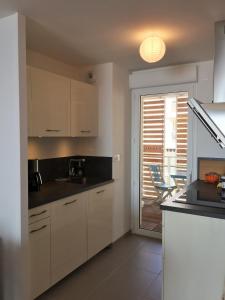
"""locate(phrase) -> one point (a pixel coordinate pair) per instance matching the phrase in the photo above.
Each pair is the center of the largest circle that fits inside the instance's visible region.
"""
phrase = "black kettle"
(34, 176)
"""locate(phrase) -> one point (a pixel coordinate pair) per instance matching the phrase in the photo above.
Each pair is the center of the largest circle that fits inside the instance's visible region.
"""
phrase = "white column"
(13, 160)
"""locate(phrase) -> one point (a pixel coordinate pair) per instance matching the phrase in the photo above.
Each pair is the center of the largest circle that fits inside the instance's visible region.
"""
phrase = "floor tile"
(148, 261)
(128, 282)
(154, 290)
(152, 245)
(125, 271)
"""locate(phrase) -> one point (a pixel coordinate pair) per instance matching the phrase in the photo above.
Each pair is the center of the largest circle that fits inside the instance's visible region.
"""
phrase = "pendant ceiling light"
(152, 49)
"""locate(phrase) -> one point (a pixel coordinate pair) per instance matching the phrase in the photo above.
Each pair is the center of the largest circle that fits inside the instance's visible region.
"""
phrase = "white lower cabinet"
(69, 235)
(66, 233)
(99, 219)
(193, 257)
(39, 256)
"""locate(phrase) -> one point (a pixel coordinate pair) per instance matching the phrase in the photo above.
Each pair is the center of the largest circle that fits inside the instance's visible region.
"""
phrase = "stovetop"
(202, 193)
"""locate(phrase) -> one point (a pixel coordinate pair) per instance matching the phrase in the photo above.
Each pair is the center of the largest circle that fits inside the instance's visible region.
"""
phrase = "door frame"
(135, 147)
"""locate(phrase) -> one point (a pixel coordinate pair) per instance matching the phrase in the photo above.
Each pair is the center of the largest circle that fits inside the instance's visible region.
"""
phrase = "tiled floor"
(129, 270)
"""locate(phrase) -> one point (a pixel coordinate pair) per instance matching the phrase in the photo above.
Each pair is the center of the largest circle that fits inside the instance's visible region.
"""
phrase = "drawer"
(39, 213)
(41, 226)
(70, 201)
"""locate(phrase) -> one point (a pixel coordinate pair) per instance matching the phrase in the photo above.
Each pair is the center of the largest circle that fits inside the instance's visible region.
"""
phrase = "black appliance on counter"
(34, 176)
(77, 169)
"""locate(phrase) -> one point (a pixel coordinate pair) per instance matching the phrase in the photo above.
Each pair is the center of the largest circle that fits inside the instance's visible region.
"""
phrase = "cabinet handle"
(38, 214)
(85, 131)
(35, 230)
(99, 192)
(52, 130)
(68, 203)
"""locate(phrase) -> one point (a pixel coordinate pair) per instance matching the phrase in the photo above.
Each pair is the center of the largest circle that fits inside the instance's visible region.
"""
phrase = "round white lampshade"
(152, 49)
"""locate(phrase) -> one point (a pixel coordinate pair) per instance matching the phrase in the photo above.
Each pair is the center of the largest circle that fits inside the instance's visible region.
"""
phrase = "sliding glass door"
(160, 169)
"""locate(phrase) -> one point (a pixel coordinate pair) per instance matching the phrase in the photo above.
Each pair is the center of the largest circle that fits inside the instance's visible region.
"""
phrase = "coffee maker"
(77, 169)
(34, 176)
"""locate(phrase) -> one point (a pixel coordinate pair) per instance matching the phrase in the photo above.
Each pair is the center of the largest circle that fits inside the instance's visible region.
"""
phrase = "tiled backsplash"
(95, 166)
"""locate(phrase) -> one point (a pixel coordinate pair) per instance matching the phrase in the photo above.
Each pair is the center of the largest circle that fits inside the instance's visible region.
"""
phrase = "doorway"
(161, 135)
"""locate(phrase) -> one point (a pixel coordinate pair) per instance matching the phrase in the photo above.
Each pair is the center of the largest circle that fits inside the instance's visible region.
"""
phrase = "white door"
(158, 139)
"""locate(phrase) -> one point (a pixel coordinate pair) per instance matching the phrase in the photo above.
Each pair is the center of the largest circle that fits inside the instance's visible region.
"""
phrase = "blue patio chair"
(162, 189)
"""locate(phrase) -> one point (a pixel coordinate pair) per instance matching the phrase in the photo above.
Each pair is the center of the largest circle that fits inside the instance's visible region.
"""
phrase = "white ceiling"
(97, 31)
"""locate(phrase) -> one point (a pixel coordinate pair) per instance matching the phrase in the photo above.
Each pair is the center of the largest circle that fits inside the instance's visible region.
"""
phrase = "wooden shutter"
(152, 140)
(182, 132)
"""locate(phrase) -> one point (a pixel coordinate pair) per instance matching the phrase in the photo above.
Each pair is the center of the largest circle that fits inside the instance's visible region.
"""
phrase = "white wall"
(102, 145)
(201, 74)
(13, 157)
(121, 145)
(47, 63)
(42, 148)
(114, 138)
(114, 110)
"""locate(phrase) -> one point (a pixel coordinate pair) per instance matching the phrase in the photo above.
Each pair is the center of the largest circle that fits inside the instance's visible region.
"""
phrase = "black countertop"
(54, 190)
(205, 192)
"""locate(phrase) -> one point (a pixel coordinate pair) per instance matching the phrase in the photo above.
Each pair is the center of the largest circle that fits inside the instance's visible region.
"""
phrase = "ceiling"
(98, 31)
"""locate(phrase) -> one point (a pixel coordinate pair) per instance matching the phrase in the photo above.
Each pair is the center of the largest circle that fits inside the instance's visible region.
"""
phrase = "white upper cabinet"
(49, 106)
(84, 109)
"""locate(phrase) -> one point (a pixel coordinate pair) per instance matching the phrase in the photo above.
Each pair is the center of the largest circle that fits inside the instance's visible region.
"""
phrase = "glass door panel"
(163, 153)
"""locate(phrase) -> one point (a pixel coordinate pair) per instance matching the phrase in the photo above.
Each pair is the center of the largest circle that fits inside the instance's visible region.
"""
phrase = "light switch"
(116, 157)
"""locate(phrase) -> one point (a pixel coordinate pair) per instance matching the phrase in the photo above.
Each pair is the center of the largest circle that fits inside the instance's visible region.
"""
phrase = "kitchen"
(111, 146)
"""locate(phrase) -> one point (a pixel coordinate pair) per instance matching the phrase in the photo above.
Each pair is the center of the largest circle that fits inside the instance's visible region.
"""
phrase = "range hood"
(212, 115)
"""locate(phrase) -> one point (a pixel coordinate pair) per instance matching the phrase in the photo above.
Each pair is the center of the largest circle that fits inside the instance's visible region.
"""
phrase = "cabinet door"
(69, 235)
(39, 255)
(50, 104)
(194, 261)
(84, 109)
(99, 219)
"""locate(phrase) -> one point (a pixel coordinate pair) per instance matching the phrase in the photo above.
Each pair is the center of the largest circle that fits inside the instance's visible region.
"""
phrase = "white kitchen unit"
(39, 256)
(49, 104)
(99, 219)
(68, 235)
(193, 258)
(84, 109)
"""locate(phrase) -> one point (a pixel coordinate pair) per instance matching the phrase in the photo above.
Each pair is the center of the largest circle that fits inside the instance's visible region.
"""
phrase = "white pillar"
(13, 160)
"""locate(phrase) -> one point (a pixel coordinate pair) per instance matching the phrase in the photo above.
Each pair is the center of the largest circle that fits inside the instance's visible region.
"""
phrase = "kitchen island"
(194, 244)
